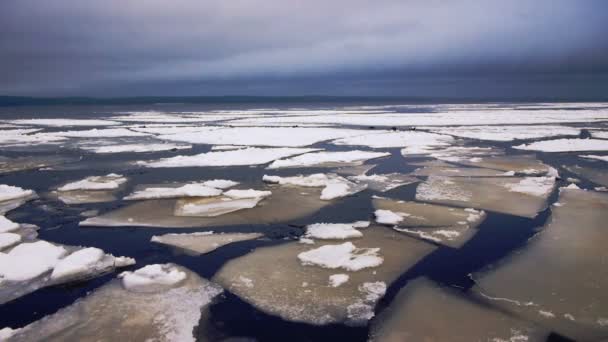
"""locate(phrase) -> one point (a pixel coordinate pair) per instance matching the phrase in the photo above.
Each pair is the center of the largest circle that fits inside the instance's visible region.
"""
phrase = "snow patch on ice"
(345, 256)
(152, 277)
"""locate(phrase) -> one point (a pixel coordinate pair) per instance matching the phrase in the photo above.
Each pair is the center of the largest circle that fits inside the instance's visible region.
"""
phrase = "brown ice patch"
(202, 243)
(274, 280)
(424, 311)
(559, 278)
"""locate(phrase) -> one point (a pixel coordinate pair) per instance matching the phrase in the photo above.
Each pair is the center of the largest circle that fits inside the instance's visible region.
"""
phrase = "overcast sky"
(331, 47)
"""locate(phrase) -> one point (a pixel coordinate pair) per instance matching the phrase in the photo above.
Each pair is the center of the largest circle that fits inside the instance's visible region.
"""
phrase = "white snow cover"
(77, 263)
(100, 133)
(262, 136)
(24, 137)
(318, 158)
(108, 182)
(249, 193)
(596, 157)
(65, 122)
(8, 192)
(337, 231)
(7, 225)
(133, 148)
(336, 280)
(29, 260)
(9, 239)
(152, 276)
(506, 133)
(404, 139)
(345, 256)
(566, 145)
(220, 183)
(535, 186)
(246, 156)
(188, 190)
(387, 217)
(441, 188)
(334, 186)
(600, 134)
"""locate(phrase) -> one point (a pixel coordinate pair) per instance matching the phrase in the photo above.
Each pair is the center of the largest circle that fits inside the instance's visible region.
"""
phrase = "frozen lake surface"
(176, 222)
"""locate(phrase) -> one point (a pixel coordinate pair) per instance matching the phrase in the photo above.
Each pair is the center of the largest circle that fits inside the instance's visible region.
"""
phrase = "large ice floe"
(566, 145)
(26, 137)
(334, 186)
(559, 278)
(246, 156)
(131, 147)
(262, 136)
(28, 264)
(297, 281)
(65, 122)
(92, 189)
(244, 207)
(424, 311)
(410, 140)
(507, 133)
(521, 196)
(327, 159)
(12, 197)
(437, 223)
(155, 303)
(204, 242)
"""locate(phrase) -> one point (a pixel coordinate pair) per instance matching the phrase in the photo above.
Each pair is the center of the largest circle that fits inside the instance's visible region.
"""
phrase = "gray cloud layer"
(185, 47)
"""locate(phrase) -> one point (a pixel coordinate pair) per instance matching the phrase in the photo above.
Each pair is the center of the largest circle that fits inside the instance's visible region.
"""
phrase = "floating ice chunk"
(6, 333)
(29, 260)
(246, 156)
(220, 183)
(9, 239)
(151, 278)
(7, 225)
(212, 207)
(77, 263)
(566, 145)
(506, 133)
(100, 133)
(263, 136)
(314, 180)
(114, 313)
(574, 239)
(327, 159)
(133, 148)
(388, 217)
(110, 181)
(345, 256)
(440, 168)
(65, 122)
(15, 164)
(337, 188)
(334, 186)
(336, 280)
(202, 243)
(123, 261)
(8, 193)
(596, 157)
(335, 231)
(384, 182)
(225, 147)
(418, 307)
(188, 190)
(411, 140)
(250, 193)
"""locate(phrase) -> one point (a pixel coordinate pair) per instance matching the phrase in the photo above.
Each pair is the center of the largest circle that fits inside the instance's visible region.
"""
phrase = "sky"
(338, 47)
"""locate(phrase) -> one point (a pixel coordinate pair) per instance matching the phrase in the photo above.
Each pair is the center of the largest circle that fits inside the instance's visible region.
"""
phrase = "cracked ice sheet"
(559, 278)
(472, 116)
(327, 159)
(506, 133)
(262, 136)
(203, 243)
(520, 196)
(424, 311)
(285, 204)
(246, 156)
(115, 313)
(566, 145)
(437, 223)
(273, 279)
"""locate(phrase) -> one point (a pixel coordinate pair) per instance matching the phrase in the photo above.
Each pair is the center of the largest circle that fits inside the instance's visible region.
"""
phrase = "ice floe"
(100, 133)
(336, 280)
(113, 312)
(507, 133)
(167, 191)
(566, 145)
(521, 196)
(411, 141)
(203, 243)
(335, 231)
(12, 197)
(437, 223)
(596, 175)
(217, 206)
(65, 122)
(334, 186)
(7, 225)
(152, 278)
(133, 148)
(383, 182)
(423, 311)
(561, 270)
(246, 156)
(327, 159)
(595, 157)
(8, 165)
(110, 181)
(8, 240)
(271, 278)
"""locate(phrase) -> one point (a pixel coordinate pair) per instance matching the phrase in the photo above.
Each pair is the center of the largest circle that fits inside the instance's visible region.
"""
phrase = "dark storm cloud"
(128, 47)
